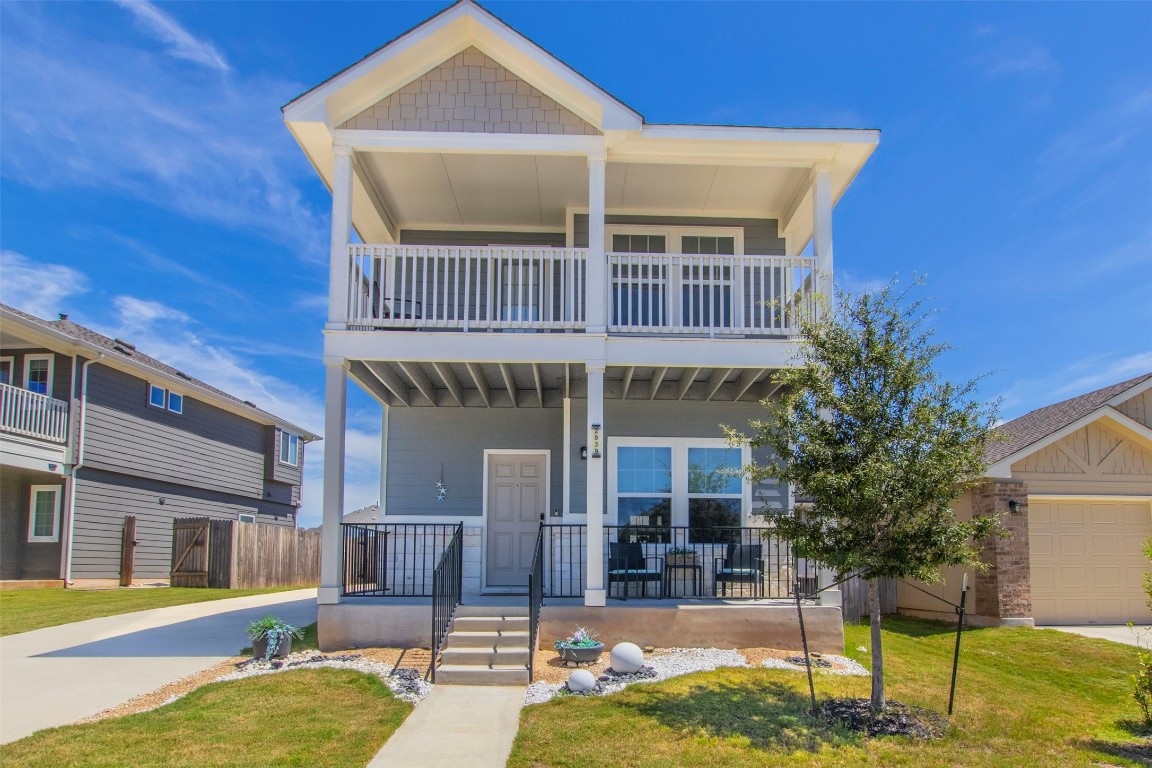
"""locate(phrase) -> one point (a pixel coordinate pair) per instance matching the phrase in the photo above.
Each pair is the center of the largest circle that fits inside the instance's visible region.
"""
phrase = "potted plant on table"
(681, 556)
(580, 647)
(272, 637)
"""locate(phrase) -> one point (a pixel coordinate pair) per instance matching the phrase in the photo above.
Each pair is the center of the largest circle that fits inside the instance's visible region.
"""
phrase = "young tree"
(868, 432)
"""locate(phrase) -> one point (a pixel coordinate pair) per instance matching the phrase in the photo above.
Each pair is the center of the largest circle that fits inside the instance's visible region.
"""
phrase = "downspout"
(78, 463)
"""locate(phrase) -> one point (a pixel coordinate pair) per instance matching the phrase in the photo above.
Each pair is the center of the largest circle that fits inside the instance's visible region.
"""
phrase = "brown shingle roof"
(125, 350)
(1033, 427)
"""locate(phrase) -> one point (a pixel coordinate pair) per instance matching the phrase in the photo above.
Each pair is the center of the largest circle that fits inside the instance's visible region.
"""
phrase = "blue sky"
(149, 188)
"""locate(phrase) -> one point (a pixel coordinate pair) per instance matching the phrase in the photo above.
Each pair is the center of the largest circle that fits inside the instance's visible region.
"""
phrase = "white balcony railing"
(466, 288)
(706, 293)
(32, 414)
(392, 286)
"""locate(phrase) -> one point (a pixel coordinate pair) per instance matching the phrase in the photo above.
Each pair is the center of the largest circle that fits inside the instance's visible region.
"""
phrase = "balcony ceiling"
(428, 190)
(544, 385)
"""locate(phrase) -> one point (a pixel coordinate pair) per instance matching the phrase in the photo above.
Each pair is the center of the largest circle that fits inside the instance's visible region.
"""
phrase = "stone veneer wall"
(1004, 591)
(470, 93)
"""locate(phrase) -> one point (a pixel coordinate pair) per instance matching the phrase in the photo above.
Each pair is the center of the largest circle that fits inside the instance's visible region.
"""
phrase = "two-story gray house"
(92, 430)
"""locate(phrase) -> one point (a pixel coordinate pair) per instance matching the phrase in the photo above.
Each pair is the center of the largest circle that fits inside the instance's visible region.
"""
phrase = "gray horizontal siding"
(205, 447)
(420, 440)
(103, 499)
(480, 239)
(20, 558)
(664, 419)
(761, 236)
(274, 469)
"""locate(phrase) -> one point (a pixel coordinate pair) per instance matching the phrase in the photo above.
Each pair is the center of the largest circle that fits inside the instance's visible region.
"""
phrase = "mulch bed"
(895, 720)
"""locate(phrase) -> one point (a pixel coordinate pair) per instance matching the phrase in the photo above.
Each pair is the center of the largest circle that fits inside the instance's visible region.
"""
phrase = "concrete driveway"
(57, 675)
(1117, 633)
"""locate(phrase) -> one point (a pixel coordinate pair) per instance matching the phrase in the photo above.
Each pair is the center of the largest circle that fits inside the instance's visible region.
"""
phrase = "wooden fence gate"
(228, 554)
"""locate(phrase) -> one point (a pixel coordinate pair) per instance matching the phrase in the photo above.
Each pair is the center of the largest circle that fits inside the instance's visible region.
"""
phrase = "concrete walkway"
(456, 725)
(57, 675)
(1117, 633)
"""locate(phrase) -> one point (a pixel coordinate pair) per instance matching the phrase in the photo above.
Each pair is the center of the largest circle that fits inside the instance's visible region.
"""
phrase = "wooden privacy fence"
(854, 597)
(228, 554)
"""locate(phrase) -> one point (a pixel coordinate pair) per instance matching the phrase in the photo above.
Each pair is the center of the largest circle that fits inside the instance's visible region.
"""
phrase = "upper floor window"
(159, 397)
(289, 448)
(44, 513)
(6, 370)
(38, 373)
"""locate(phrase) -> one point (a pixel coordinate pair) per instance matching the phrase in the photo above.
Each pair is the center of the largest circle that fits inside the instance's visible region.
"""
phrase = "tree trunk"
(877, 651)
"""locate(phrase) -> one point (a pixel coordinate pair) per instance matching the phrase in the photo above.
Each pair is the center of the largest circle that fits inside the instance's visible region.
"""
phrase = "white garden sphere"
(581, 681)
(627, 658)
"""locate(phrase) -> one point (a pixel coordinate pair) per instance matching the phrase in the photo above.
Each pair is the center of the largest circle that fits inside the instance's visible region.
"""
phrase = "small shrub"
(1142, 682)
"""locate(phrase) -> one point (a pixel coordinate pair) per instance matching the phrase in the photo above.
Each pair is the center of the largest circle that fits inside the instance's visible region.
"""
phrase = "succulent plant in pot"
(272, 637)
(681, 556)
(581, 647)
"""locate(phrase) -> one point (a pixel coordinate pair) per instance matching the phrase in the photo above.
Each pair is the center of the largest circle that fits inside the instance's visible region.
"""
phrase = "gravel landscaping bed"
(406, 683)
(664, 663)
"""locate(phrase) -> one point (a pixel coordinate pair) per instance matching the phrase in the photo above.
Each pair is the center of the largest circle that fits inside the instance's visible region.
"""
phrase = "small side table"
(697, 577)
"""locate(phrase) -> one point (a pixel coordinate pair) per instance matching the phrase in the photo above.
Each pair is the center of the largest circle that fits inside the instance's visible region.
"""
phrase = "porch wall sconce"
(583, 453)
(1014, 507)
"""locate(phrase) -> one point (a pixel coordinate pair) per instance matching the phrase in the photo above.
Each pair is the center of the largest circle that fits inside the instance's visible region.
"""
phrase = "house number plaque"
(595, 452)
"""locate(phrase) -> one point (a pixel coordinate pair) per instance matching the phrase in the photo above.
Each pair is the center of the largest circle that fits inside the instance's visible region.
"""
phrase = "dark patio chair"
(742, 564)
(627, 564)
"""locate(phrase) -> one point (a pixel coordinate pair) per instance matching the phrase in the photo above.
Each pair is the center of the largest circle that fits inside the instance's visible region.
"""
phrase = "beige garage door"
(1087, 567)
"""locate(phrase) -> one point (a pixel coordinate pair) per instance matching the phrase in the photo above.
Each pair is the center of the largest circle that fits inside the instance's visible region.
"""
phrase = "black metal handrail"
(447, 586)
(392, 559)
(535, 599)
(701, 568)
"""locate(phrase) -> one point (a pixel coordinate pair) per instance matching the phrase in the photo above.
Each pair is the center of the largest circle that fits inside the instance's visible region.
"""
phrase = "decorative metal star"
(441, 492)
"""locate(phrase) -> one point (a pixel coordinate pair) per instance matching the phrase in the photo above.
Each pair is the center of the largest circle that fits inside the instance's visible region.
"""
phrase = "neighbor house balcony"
(30, 414)
(551, 289)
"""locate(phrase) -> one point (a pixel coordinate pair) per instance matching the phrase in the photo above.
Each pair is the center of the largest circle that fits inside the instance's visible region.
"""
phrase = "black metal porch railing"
(447, 586)
(676, 562)
(535, 599)
(393, 559)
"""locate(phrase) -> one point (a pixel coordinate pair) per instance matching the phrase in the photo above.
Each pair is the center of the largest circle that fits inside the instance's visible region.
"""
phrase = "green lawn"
(22, 610)
(306, 717)
(1025, 698)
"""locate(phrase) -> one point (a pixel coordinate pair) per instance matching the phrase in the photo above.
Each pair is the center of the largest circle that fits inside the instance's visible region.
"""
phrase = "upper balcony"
(31, 414)
(549, 289)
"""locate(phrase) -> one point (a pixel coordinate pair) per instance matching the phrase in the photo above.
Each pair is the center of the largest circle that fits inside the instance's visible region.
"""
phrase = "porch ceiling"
(429, 190)
(545, 385)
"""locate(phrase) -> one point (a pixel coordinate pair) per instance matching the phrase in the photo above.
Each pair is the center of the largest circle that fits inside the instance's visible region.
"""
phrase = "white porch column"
(341, 236)
(385, 412)
(335, 408)
(594, 592)
(822, 230)
(597, 291)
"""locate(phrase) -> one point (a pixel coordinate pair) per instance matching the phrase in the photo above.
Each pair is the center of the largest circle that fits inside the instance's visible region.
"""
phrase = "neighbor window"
(245, 518)
(44, 513)
(163, 399)
(6, 370)
(289, 448)
(38, 374)
(662, 482)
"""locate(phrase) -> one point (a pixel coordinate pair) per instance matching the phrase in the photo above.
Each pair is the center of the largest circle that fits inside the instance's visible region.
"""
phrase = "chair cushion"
(739, 571)
(637, 572)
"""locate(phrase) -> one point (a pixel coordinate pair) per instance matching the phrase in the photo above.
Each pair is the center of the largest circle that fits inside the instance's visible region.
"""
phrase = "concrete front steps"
(486, 645)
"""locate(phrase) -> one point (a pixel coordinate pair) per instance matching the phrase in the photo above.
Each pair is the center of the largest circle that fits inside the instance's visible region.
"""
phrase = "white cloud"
(181, 44)
(110, 114)
(1082, 376)
(38, 289)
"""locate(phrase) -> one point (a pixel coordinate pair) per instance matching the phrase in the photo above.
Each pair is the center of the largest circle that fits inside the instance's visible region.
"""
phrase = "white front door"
(517, 497)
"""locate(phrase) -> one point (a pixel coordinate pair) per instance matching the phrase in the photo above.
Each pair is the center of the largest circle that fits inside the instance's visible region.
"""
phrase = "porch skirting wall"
(691, 625)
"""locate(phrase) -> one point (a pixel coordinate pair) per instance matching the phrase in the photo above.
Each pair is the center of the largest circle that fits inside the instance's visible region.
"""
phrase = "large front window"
(663, 482)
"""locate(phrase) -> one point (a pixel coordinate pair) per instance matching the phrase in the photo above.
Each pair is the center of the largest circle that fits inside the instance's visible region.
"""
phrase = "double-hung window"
(44, 514)
(289, 448)
(38, 373)
(656, 483)
(6, 370)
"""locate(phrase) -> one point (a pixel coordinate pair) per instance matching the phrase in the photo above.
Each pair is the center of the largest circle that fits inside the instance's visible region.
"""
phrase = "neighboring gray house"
(93, 430)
